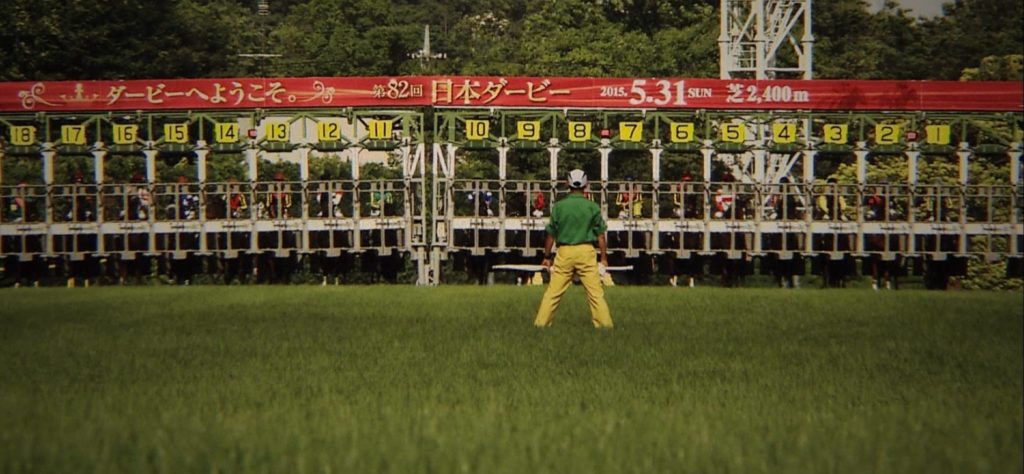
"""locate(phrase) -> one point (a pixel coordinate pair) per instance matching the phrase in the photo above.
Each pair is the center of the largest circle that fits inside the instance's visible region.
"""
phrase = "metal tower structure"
(759, 39)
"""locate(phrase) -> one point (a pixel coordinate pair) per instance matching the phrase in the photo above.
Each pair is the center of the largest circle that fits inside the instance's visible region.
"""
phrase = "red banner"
(540, 92)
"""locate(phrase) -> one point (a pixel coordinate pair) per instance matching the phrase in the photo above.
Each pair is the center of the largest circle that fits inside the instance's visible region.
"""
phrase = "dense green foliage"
(58, 39)
(400, 379)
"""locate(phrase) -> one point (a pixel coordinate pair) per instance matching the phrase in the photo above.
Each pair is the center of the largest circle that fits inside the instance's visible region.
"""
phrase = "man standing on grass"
(576, 224)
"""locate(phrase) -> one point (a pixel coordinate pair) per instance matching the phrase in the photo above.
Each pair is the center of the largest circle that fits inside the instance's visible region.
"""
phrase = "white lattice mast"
(759, 39)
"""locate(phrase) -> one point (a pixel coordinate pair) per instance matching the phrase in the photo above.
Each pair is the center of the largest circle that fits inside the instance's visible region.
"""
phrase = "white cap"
(577, 179)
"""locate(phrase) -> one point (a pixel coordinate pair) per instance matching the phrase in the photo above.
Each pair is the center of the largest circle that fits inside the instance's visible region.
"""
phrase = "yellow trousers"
(581, 259)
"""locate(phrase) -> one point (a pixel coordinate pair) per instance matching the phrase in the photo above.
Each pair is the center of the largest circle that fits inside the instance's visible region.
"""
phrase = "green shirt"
(575, 220)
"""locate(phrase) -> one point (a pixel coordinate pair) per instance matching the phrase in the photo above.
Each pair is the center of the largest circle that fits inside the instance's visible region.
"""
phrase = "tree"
(121, 39)
(853, 43)
(216, 32)
(971, 30)
(996, 68)
(652, 16)
(687, 50)
(63, 40)
(573, 38)
(347, 38)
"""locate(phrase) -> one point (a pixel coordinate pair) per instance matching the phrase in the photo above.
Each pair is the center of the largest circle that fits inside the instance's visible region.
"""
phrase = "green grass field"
(455, 379)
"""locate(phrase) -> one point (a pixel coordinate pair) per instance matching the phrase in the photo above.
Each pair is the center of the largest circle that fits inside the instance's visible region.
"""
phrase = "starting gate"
(428, 167)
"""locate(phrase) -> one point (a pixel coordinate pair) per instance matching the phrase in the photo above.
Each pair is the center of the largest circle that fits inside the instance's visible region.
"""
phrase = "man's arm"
(602, 247)
(549, 242)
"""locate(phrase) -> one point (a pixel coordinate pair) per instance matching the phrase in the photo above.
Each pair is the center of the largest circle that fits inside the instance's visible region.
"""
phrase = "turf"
(455, 379)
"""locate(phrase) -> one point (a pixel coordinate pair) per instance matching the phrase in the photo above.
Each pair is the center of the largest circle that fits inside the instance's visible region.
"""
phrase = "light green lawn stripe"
(393, 379)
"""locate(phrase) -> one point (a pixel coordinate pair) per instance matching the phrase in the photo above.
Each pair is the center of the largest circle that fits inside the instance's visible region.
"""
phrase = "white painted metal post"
(202, 151)
(440, 161)
(808, 178)
(656, 151)
(421, 159)
(1015, 153)
(49, 153)
(912, 157)
(553, 150)
(304, 162)
(809, 157)
(502, 162)
(707, 151)
(605, 150)
(250, 158)
(407, 159)
(99, 153)
(150, 152)
(353, 162)
(759, 154)
(964, 153)
(450, 156)
(760, 59)
(807, 41)
(861, 152)
(725, 58)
